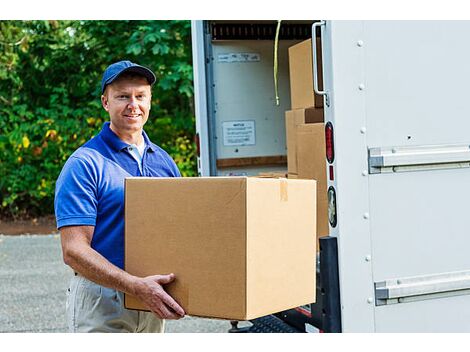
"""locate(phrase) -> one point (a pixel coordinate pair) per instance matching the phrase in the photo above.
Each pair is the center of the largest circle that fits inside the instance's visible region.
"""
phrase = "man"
(89, 206)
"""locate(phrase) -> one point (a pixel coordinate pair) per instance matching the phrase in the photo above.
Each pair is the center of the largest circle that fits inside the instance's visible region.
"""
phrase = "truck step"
(267, 324)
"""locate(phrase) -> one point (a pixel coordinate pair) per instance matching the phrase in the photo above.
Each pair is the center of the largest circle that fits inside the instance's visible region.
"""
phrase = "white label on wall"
(239, 57)
(239, 133)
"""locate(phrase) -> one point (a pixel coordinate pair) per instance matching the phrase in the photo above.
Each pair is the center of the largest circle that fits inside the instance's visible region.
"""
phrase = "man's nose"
(133, 104)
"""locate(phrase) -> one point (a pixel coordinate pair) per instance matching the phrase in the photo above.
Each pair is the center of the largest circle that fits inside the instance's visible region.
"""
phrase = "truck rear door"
(398, 101)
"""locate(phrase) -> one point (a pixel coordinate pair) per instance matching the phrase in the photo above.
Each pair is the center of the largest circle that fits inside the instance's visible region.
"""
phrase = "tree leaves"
(50, 74)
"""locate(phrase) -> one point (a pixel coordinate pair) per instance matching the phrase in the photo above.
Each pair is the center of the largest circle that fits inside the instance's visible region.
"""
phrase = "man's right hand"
(150, 291)
(78, 254)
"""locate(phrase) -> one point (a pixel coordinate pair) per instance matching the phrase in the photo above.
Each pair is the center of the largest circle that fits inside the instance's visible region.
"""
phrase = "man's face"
(127, 100)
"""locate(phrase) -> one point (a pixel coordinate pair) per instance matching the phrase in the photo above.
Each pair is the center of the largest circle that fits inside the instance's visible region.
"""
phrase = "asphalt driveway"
(33, 284)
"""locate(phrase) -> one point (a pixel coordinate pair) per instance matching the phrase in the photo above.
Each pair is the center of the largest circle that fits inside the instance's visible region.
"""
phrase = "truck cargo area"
(246, 131)
(392, 170)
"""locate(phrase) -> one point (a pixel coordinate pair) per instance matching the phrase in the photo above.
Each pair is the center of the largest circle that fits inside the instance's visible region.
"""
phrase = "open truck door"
(395, 104)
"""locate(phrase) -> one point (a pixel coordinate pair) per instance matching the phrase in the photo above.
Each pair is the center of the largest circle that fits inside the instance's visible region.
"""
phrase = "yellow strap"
(276, 44)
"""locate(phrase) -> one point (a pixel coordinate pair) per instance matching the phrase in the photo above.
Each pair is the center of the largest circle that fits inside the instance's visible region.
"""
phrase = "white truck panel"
(425, 316)
(418, 220)
(416, 78)
(389, 87)
(343, 72)
(416, 82)
(200, 96)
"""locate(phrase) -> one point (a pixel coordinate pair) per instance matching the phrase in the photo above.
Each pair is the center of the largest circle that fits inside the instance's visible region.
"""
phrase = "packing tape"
(283, 190)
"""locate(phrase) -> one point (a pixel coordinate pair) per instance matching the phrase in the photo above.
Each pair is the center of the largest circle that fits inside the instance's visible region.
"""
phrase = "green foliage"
(50, 74)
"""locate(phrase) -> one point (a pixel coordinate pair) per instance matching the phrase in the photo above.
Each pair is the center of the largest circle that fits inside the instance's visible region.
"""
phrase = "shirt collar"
(148, 144)
(116, 143)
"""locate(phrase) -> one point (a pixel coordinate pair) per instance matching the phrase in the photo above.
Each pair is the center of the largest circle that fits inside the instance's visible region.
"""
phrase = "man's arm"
(78, 254)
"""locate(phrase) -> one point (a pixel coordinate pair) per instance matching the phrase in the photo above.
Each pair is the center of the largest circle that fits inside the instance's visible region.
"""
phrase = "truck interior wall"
(244, 92)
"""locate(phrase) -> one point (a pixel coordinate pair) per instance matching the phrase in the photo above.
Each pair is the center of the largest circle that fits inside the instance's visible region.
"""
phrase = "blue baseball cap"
(115, 70)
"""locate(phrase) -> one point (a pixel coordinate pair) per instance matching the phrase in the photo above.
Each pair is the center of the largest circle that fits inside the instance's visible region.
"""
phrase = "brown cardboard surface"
(194, 229)
(301, 77)
(293, 119)
(277, 174)
(312, 165)
(280, 246)
(229, 241)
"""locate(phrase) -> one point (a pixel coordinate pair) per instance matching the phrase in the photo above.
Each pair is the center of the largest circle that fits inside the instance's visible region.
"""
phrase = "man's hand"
(78, 254)
(150, 291)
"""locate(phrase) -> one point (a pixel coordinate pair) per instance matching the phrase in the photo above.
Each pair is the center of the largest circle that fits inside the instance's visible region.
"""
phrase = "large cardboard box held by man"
(301, 75)
(240, 247)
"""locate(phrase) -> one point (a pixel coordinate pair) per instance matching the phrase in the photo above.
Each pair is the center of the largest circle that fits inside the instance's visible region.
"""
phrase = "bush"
(50, 73)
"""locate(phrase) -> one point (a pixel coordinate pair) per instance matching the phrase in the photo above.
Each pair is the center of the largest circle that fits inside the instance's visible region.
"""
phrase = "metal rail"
(422, 287)
(415, 158)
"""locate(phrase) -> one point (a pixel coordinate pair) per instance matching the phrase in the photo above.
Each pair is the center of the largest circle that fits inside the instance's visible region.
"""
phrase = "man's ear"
(104, 102)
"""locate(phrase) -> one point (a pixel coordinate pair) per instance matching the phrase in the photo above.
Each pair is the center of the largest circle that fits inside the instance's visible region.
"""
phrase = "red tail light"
(330, 147)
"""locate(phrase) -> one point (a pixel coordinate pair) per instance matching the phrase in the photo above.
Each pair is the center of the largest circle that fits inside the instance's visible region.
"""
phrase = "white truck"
(396, 104)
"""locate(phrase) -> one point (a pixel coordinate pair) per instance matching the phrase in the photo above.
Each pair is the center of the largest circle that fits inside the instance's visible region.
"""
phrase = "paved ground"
(33, 283)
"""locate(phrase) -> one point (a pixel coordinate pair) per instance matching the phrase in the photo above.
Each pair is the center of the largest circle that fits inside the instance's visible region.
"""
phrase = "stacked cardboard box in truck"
(240, 247)
(301, 75)
(311, 165)
(305, 134)
(294, 118)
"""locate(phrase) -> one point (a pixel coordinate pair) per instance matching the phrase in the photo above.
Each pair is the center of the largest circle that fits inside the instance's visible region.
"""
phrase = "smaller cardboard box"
(311, 164)
(301, 75)
(240, 247)
(295, 118)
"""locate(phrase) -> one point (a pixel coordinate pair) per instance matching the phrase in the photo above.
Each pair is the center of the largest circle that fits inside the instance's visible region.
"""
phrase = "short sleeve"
(172, 167)
(76, 200)
(176, 171)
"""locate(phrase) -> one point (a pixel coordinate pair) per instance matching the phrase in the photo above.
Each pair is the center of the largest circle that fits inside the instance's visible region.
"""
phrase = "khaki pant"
(94, 308)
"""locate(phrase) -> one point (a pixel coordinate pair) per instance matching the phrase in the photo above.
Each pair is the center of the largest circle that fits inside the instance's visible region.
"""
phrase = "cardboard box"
(301, 75)
(273, 174)
(240, 247)
(293, 119)
(311, 164)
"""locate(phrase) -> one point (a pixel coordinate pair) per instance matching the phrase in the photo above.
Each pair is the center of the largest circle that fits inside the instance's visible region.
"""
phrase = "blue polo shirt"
(90, 188)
